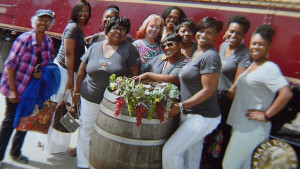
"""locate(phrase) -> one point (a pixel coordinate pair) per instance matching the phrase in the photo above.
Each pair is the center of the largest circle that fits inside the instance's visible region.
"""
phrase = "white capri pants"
(89, 112)
(183, 150)
(241, 146)
(59, 142)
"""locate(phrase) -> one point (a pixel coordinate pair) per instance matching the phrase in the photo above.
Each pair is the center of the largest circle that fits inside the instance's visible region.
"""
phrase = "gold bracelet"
(76, 94)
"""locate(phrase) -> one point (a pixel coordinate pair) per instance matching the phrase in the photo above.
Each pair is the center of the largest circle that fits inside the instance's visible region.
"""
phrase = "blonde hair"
(141, 33)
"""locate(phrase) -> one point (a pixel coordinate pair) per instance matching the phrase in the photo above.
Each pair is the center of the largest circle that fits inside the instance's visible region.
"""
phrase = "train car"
(283, 15)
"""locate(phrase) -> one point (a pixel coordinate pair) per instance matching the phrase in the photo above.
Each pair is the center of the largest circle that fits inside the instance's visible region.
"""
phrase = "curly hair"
(189, 22)
(265, 31)
(241, 20)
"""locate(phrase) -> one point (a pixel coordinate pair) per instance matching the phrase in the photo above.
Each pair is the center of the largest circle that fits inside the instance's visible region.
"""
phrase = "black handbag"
(64, 120)
(69, 122)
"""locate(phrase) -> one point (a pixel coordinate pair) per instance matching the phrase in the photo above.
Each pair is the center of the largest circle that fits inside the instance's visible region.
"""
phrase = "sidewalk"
(36, 155)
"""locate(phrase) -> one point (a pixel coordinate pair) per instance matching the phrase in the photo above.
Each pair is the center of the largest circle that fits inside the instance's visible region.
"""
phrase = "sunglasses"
(168, 44)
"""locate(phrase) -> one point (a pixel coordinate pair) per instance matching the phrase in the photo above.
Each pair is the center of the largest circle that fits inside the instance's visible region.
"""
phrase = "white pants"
(89, 112)
(183, 150)
(241, 146)
(57, 141)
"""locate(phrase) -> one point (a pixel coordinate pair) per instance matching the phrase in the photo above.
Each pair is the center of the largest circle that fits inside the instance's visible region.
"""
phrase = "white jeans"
(89, 112)
(183, 150)
(241, 146)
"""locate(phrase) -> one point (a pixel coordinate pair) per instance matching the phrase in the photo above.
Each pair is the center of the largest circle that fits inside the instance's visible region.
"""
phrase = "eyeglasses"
(122, 30)
(175, 18)
(167, 44)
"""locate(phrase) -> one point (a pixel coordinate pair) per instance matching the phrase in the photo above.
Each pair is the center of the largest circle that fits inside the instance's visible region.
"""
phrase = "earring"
(225, 38)
(242, 41)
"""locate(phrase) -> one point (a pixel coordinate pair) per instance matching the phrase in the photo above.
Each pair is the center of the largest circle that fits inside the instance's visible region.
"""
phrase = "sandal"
(73, 152)
(20, 159)
(40, 144)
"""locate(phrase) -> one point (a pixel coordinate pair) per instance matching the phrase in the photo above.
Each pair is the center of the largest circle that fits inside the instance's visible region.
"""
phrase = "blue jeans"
(7, 129)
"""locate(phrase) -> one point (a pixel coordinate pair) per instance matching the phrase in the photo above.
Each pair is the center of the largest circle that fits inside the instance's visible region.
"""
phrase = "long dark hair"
(77, 8)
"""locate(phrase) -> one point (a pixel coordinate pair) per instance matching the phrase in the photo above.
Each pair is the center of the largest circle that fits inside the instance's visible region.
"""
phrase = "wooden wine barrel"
(117, 142)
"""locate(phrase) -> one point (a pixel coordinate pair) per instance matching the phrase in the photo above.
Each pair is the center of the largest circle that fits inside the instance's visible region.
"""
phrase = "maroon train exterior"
(16, 14)
(283, 15)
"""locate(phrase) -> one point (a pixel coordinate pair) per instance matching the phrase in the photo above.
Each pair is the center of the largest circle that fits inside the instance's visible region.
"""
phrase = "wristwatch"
(181, 107)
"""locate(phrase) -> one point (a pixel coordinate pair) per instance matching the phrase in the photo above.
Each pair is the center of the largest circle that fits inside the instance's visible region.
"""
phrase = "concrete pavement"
(37, 157)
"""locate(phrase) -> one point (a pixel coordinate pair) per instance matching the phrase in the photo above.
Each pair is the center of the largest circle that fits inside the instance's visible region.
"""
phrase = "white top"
(255, 90)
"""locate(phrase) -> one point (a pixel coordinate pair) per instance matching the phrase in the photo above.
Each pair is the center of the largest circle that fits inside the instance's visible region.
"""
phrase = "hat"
(48, 12)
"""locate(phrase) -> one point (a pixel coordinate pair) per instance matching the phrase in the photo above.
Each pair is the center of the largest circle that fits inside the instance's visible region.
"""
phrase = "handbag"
(40, 119)
(62, 112)
(69, 122)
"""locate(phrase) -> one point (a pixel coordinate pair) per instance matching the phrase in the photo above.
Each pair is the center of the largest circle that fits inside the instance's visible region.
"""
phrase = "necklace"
(150, 46)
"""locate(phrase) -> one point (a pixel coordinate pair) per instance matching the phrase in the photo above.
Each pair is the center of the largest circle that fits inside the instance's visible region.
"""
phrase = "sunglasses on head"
(169, 44)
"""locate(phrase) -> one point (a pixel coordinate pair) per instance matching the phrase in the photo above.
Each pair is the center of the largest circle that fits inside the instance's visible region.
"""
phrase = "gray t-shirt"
(255, 90)
(99, 68)
(157, 63)
(230, 64)
(190, 81)
(72, 31)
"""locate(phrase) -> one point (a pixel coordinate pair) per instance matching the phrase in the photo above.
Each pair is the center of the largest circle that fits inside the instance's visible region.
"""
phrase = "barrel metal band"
(110, 96)
(127, 118)
(128, 140)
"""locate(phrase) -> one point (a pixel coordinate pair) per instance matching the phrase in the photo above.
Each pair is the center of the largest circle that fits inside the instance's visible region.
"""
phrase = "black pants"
(223, 129)
(7, 129)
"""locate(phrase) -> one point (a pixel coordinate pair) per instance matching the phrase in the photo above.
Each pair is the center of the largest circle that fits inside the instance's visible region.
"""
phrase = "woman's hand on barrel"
(175, 110)
(141, 77)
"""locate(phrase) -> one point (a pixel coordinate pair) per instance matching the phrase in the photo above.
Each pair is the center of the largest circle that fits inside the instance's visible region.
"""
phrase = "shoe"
(20, 159)
(40, 144)
(73, 152)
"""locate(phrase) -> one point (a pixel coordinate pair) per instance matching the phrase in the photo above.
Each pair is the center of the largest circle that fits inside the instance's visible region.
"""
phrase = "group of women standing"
(172, 48)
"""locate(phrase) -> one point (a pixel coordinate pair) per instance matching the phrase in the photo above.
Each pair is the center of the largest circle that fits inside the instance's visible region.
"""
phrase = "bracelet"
(76, 94)
(266, 117)
(181, 107)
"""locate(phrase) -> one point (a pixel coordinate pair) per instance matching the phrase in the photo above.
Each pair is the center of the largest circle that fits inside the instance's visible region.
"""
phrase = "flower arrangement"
(147, 97)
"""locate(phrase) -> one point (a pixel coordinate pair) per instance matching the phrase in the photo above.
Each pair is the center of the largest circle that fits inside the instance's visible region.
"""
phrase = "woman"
(172, 16)
(111, 12)
(149, 36)
(31, 49)
(68, 60)
(165, 67)
(235, 59)
(199, 110)
(111, 56)
(254, 103)
(187, 30)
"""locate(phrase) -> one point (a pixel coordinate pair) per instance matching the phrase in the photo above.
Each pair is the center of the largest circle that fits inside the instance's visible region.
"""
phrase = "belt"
(222, 92)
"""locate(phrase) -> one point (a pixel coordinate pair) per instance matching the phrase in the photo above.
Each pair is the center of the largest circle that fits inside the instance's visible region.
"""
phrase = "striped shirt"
(23, 58)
